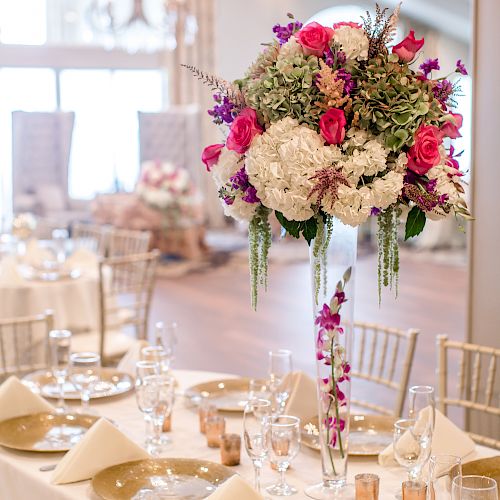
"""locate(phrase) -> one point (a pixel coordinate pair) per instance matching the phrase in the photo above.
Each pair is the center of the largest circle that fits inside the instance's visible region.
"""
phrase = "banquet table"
(20, 478)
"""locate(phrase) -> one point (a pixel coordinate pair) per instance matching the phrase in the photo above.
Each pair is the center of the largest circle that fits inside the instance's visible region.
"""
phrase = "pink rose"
(450, 128)
(314, 39)
(243, 129)
(332, 126)
(407, 49)
(350, 24)
(424, 154)
(210, 155)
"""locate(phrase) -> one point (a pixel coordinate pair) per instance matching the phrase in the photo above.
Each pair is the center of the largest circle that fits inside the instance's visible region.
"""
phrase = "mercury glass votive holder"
(414, 490)
(206, 411)
(367, 486)
(230, 449)
(215, 428)
(167, 423)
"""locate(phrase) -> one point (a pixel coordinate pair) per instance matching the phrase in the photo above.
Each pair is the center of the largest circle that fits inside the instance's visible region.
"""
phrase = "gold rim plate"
(227, 394)
(112, 383)
(174, 477)
(36, 274)
(489, 467)
(44, 432)
(368, 434)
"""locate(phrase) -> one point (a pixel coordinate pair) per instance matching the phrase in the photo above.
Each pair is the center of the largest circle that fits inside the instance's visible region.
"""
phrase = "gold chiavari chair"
(92, 237)
(124, 242)
(384, 356)
(125, 283)
(23, 344)
(476, 381)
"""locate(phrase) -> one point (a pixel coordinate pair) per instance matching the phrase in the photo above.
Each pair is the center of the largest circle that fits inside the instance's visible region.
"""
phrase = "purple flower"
(283, 33)
(239, 182)
(228, 200)
(250, 195)
(223, 111)
(428, 65)
(342, 74)
(430, 187)
(375, 211)
(442, 91)
(326, 319)
(461, 68)
(340, 297)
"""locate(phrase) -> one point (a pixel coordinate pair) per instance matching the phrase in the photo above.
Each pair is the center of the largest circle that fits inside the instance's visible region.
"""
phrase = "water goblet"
(259, 388)
(157, 354)
(162, 410)
(166, 336)
(280, 376)
(284, 444)
(59, 350)
(145, 369)
(60, 238)
(84, 374)
(474, 488)
(442, 470)
(256, 418)
(411, 448)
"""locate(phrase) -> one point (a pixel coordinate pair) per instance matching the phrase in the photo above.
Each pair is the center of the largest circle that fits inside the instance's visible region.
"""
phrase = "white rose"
(353, 41)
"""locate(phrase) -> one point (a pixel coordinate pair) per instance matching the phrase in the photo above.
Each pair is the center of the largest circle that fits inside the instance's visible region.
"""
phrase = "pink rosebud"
(332, 126)
(243, 129)
(424, 154)
(314, 39)
(210, 155)
(407, 49)
(350, 24)
(451, 128)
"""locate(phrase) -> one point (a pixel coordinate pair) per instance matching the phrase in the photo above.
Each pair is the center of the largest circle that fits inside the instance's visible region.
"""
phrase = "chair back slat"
(123, 242)
(92, 237)
(379, 359)
(476, 364)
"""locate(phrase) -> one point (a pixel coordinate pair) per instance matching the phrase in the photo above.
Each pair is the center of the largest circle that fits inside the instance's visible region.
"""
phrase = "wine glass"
(59, 239)
(259, 388)
(256, 417)
(284, 444)
(59, 349)
(411, 448)
(84, 374)
(145, 369)
(157, 354)
(422, 404)
(474, 488)
(162, 410)
(280, 371)
(442, 470)
(166, 336)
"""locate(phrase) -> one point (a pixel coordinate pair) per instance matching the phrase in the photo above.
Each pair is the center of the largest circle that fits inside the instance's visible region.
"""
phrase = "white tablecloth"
(20, 478)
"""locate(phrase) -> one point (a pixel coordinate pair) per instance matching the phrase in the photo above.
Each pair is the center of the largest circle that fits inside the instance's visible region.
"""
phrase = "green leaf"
(309, 229)
(292, 227)
(414, 223)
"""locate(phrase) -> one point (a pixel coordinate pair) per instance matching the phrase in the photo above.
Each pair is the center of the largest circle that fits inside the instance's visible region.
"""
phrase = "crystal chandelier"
(142, 25)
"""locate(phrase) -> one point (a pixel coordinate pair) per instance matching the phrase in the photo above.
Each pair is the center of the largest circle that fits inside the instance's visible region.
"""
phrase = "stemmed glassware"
(162, 410)
(59, 351)
(156, 354)
(284, 445)
(143, 370)
(443, 469)
(474, 488)
(256, 419)
(166, 336)
(60, 238)
(84, 375)
(280, 377)
(422, 405)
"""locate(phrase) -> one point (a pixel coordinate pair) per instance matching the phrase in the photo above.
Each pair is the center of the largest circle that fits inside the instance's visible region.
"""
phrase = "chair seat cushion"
(116, 343)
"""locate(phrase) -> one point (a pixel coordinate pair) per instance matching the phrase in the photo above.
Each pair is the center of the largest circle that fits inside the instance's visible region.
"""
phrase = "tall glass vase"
(333, 256)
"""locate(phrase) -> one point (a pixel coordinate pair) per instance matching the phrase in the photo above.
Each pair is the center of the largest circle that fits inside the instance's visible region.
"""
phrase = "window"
(23, 22)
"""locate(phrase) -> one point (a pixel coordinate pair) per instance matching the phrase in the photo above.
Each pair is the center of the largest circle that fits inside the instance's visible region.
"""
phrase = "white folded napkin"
(82, 258)
(16, 399)
(102, 446)
(447, 439)
(130, 358)
(9, 273)
(303, 402)
(235, 488)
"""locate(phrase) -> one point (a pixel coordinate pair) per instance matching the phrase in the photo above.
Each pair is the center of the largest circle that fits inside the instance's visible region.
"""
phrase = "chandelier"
(142, 25)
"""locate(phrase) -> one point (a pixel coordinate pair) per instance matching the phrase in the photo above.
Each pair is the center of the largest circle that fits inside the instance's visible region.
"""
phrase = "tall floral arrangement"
(335, 122)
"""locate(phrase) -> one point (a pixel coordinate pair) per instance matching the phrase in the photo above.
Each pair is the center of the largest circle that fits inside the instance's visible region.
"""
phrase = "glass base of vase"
(331, 490)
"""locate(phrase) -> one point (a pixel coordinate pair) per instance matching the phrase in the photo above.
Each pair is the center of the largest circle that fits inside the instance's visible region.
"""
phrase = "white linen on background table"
(20, 478)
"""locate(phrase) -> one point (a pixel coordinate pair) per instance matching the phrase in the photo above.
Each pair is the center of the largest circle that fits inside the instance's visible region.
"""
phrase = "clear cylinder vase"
(333, 257)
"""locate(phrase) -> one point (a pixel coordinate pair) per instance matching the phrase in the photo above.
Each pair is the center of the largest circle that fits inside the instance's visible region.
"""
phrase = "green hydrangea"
(286, 88)
(392, 101)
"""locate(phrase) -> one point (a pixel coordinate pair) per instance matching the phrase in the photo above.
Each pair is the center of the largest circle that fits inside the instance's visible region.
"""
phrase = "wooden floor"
(220, 332)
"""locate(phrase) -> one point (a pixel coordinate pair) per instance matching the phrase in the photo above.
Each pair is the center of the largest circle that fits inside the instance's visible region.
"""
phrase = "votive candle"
(367, 486)
(414, 490)
(215, 427)
(230, 449)
(205, 411)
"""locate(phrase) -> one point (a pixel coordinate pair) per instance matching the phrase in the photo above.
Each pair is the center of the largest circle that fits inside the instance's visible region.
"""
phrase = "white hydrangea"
(229, 163)
(290, 49)
(354, 42)
(385, 190)
(281, 162)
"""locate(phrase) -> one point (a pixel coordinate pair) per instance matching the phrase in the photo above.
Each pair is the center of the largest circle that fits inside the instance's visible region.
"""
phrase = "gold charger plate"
(44, 432)
(484, 467)
(227, 395)
(368, 434)
(179, 478)
(112, 383)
